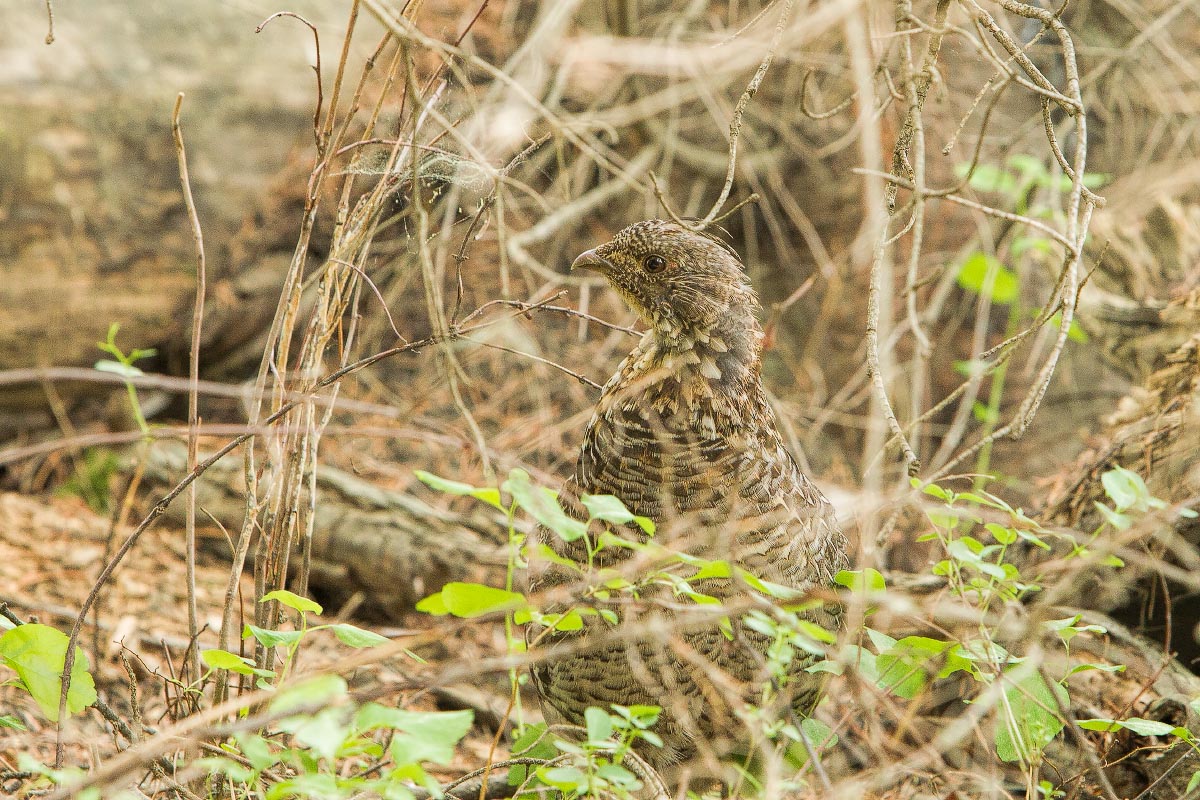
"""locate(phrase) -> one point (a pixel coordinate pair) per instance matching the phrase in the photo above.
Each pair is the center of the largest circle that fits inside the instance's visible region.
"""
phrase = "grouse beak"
(588, 259)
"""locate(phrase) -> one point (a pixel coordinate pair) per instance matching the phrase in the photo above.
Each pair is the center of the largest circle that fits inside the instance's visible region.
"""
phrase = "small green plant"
(1151, 727)
(122, 364)
(1021, 179)
(978, 571)
(332, 745)
(92, 479)
(593, 767)
(1024, 183)
(337, 747)
(288, 640)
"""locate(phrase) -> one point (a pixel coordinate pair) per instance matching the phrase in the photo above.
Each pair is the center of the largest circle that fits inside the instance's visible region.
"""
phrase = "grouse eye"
(654, 264)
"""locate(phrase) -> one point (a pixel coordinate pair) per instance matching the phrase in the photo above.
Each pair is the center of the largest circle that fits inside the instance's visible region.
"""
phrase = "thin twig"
(49, 22)
(989, 210)
(540, 360)
(320, 140)
(874, 370)
(193, 377)
(819, 115)
(735, 124)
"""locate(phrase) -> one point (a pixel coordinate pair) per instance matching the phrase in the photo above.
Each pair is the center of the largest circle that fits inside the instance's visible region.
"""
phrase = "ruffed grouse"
(683, 434)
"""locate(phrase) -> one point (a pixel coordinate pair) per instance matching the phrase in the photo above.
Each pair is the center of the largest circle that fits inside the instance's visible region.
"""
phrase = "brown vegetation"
(975, 227)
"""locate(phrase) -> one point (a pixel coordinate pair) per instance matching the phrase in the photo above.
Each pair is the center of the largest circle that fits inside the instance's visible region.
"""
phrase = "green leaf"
(1101, 667)
(469, 600)
(711, 569)
(955, 661)
(1030, 537)
(812, 630)
(357, 637)
(931, 489)
(606, 507)
(599, 725)
(699, 598)
(1029, 717)
(487, 494)
(374, 716)
(307, 785)
(293, 601)
(570, 621)
(1068, 628)
(564, 778)
(769, 588)
(1192, 783)
(983, 413)
(1001, 284)
(1117, 520)
(987, 499)
(223, 659)
(1022, 244)
(820, 735)
(641, 716)
(880, 640)
(864, 580)
(989, 178)
(428, 735)
(618, 775)
(905, 667)
(256, 749)
(269, 638)
(38, 653)
(990, 652)
(1125, 488)
(1000, 533)
(9, 721)
(117, 368)
(434, 605)
(542, 505)
(532, 742)
(323, 732)
(1147, 727)
(945, 519)
(1074, 332)
(1102, 724)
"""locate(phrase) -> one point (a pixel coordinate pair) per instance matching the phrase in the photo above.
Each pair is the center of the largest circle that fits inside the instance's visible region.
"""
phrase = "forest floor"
(51, 552)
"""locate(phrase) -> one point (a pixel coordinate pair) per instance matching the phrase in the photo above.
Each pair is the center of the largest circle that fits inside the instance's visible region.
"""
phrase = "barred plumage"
(683, 434)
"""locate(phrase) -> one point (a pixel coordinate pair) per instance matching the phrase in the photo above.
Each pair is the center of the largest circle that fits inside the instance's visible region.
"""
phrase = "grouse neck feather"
(703, 375)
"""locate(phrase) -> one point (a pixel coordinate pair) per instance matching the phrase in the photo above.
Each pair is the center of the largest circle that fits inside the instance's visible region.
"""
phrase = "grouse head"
(687, 285)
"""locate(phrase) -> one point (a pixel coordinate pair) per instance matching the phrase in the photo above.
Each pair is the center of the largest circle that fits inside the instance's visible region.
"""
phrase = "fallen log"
(382, 550)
